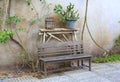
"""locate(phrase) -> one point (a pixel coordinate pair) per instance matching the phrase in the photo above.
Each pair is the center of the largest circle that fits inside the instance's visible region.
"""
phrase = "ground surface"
(106, 72)
(18, 73)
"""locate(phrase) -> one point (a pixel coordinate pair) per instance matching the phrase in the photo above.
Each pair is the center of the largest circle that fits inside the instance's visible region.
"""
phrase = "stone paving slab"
(101, 66)
(114, 76)
(82, 76)
(107, 72)
(116, 65)
(20, 79)
(100, 73)
(103, 70)
(88, 77)
(95, 79)
(58, 79)
(79, 77)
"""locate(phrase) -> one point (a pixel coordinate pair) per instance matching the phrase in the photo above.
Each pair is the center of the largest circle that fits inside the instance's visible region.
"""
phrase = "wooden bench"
(61, 52)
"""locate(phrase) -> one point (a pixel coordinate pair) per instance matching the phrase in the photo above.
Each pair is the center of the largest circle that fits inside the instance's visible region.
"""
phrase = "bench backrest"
(60, 48)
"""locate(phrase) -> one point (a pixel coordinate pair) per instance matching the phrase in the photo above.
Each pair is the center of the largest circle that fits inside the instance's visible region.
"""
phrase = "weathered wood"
(58, 30)
(65, 57)
(48, 34)
(69, 51)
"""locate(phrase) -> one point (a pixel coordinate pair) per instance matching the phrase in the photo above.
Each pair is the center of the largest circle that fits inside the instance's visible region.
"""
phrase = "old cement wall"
(103, 17)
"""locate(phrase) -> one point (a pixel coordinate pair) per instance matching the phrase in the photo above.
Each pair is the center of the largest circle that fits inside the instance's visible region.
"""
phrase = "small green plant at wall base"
(69, 13)
(110, 58)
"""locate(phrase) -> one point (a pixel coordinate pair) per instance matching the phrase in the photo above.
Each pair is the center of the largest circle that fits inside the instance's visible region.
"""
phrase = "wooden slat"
(65, 57)
(60, 52)
(58, 30)
(69, 47)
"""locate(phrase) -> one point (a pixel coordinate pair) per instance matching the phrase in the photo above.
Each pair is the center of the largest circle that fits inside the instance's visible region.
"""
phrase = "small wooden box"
(49, 23)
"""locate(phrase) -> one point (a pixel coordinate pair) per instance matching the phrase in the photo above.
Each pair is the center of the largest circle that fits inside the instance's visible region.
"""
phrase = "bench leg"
(89, 64)
(78, 63)
(82, 63)
(41, 66)
(45, 70)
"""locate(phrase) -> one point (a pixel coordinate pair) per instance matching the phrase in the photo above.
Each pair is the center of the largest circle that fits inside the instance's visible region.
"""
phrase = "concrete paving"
(105, 72)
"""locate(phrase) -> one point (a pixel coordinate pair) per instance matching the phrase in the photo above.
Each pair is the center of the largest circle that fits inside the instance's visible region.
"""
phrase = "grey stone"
(58, 79)
(114, 76)
(106, 72)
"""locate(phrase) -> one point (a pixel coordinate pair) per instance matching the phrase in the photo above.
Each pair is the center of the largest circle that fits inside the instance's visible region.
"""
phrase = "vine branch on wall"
(5, 11)
(12, 23)
(86, 24)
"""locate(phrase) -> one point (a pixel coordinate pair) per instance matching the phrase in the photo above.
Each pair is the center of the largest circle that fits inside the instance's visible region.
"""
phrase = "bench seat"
(61, 52)
(65, 57)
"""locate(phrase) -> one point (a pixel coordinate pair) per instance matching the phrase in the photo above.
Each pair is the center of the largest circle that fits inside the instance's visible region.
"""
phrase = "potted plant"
(68, 16)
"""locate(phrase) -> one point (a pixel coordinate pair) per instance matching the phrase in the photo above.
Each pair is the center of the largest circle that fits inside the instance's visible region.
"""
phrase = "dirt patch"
(18, 73)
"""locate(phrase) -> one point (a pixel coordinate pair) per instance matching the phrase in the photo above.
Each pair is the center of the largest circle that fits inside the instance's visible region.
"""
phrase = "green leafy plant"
(13, 19)
(5, 35)
(24, 54)
(110, 58)
(68, 13)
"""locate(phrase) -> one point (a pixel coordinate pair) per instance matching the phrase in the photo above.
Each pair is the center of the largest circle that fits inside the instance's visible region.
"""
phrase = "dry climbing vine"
(86, 24)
